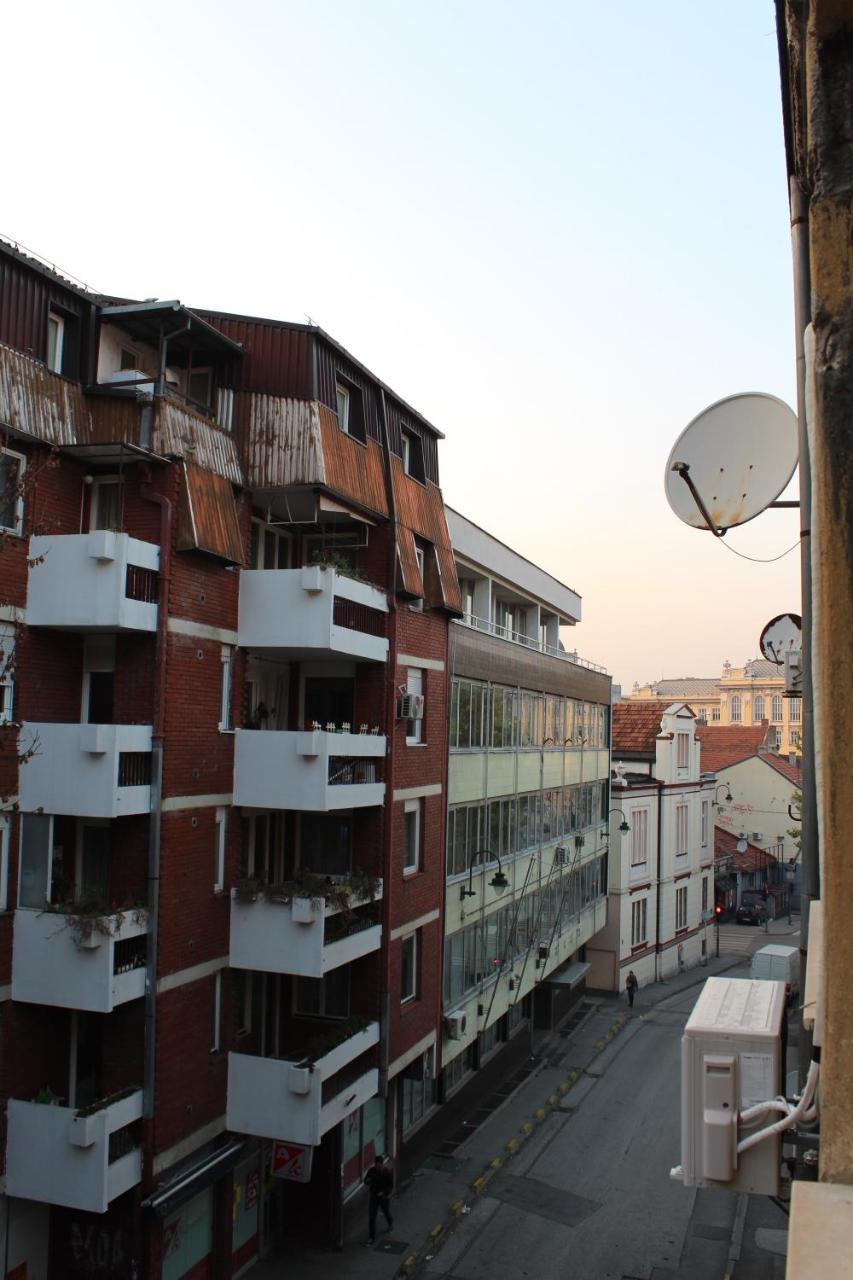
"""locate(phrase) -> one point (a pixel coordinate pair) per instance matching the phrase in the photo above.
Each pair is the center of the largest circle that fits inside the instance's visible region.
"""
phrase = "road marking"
(454, 1208)
(512, 1145)
(478, 1183)
(436, 1231)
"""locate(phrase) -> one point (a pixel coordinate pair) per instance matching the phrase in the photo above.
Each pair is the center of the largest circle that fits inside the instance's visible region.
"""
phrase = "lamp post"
(623, 825)
(728, 796)
(498, 881)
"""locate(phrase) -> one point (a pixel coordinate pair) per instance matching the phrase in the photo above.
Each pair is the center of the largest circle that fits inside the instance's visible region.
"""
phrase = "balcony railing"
(312, 612)
(302, 936)
(315, 770)
(297, 1100)
(529, 642)
(86, 770)
(98, 581)
(79, 962)
(82, 1159)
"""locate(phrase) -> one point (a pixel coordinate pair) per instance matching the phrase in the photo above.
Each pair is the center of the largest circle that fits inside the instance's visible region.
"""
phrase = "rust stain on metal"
(178, 432)
(279, 440)
(353, 470)
(207, 515)
(420, 511)
(40, 403)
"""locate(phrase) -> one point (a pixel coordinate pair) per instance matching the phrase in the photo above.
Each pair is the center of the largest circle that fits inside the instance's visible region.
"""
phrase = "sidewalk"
(425, 1207)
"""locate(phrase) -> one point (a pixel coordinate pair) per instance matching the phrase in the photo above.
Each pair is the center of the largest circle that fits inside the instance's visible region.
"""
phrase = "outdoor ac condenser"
(731, 1059)
(456, 1025)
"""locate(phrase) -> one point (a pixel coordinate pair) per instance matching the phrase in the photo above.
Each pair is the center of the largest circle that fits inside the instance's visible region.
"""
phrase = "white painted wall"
(75, 769)
(292, 610)
(77, 581)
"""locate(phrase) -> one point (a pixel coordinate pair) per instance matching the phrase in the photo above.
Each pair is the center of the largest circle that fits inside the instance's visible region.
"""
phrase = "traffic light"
(718, 911)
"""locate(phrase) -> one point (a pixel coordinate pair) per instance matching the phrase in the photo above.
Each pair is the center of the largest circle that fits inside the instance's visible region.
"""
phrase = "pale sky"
(558, 229)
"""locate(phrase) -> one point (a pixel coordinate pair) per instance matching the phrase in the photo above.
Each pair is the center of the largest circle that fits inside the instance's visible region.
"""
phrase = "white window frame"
(704, 895)
(406, 996)
(342, 406)
(407, 451)
(216, 1038)
(95, 502)
(776, 704)
(414, 730)
(55, 365)
(221, 828)
(639, 837)
(736, 709)
(639, 922)
(17, 528)
(705, 814)
(5, 826)
(420, 560)
(681, 907)
(715, 713)
(758, 708)
(415, 807)
(8, 640)
(49, 877)
(682, 829)
(682, 745)
(795, 710)
(227, 656)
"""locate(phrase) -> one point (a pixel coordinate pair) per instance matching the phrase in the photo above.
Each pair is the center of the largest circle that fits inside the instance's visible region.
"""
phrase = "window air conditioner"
(410, 706)
(560, 856)
(456, 1024)
(758, 835)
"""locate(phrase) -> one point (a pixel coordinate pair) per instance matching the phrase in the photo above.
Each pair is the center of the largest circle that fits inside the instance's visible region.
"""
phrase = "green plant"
(90, 913)
(248, 889)
(101, 1103)
(340, 563)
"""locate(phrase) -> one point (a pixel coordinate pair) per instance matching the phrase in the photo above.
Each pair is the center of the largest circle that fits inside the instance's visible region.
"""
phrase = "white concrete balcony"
(98, 581)
(86, 770)
(302, 936)
(314, 770)
(297, 1101)
(83, 1161)
(311, 613)
(79, 962)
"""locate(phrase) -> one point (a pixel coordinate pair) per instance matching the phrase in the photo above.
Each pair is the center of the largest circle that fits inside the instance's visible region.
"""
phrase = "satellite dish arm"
(683, 469)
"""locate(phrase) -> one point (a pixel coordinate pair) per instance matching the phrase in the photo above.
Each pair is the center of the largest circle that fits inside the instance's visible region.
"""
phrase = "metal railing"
(529, 642)
(134, 769)
(358, 617)
(141, 584)
(351, 773)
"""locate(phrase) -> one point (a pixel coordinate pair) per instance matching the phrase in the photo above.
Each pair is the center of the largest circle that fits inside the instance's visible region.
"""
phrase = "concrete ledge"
(820, 1233)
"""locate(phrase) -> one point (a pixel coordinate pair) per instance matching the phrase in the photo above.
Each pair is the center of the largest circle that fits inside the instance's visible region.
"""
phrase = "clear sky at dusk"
(558, 229)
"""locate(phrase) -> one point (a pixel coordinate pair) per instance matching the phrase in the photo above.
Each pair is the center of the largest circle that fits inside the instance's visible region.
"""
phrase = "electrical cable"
(760, 559)
(803, 1109)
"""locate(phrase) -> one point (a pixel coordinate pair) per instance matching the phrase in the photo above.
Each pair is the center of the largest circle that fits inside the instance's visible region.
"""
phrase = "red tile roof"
(725, 846)
(793, 772)
(725, 744)
(636, 725)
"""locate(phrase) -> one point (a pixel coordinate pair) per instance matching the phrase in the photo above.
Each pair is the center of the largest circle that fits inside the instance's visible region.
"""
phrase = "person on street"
(631, 986)
(380, 1183)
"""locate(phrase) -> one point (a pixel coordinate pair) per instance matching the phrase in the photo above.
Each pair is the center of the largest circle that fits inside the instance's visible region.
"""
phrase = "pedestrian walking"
(632, 986)
(379, 1181)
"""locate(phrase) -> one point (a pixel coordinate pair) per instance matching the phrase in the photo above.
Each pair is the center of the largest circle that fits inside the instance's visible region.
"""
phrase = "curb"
(409, 1266)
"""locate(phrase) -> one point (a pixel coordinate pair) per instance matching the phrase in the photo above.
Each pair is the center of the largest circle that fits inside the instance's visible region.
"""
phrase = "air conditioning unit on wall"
(410, 706)
(560, 856)
(456, 1024)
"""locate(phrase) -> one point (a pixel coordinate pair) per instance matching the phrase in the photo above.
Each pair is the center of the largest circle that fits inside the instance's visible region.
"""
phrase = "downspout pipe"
(659, 894)
(165, 505)
(390, 727)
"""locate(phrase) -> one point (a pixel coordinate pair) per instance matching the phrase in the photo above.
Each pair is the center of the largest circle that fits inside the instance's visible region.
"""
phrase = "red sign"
(291, 1160)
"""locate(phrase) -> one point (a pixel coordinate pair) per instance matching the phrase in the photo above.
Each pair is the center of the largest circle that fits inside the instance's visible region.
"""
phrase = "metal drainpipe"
(390, 724)
(658, 894)
(165, 505)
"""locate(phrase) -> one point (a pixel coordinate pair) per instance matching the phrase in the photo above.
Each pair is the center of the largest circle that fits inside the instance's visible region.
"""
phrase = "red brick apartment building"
(226, 588)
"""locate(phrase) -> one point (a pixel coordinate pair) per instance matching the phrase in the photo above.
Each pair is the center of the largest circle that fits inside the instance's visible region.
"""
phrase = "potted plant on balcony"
(248, 889)
(91, 919)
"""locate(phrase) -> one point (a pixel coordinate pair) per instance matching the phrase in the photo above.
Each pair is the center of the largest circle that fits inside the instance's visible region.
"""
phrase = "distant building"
(661, 893)
(748, 870)
(740, 696)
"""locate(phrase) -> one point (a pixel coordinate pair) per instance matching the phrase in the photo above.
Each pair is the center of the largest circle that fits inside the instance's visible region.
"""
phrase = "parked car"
(751, 913)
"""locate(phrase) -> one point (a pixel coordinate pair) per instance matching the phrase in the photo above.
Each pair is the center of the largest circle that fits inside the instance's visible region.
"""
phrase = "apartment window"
(795, 710)
(680, 829)
(225, 696)
(243, 1003)
(704, 895)
(7, 672)
(704, 822)
(408, 968)
(758, 709)
(414, 685)
(34, 881)
(4, 861)
(270, 547)
(639, 836)
(413, 456)
(736, 708)
(683, 745)
(216, 1037)
(106, 503)
(200, 387)
(55, 341)
(326, 997)
(420, 559)
(702, 715)
(715, 713)
(681, 908)
(776, 739)
(350, 410)
(638, 922)
(412, 836)
(776, 707)
(12, 467)
(221, 829)
(795, 738)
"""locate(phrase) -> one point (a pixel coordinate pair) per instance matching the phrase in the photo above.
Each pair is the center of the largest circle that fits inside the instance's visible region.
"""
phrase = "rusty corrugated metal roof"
(279, 440)
(207, 515)
(179, 432)
(39, 403)
(353, 470)
(420, 511)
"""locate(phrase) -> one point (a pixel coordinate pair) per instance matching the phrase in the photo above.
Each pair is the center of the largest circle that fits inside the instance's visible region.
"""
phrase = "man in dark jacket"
(380, 1183)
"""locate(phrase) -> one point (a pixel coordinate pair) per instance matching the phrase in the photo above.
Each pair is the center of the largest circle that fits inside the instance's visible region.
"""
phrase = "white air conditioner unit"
(456, 1024)
(757, 835)
(560, 857)
(410, 706)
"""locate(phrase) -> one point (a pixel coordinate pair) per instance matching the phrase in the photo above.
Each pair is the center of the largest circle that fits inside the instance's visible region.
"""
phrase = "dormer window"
(349, 410)
(55, 341)
(413, 456)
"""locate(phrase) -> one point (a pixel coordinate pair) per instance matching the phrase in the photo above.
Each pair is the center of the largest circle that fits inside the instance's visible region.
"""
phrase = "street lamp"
(623, 825)
(498, 881)
(728, 796)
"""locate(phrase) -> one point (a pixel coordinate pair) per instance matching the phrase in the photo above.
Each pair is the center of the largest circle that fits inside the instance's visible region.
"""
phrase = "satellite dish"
(781, 636)
(741, 845)
(739, 454)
